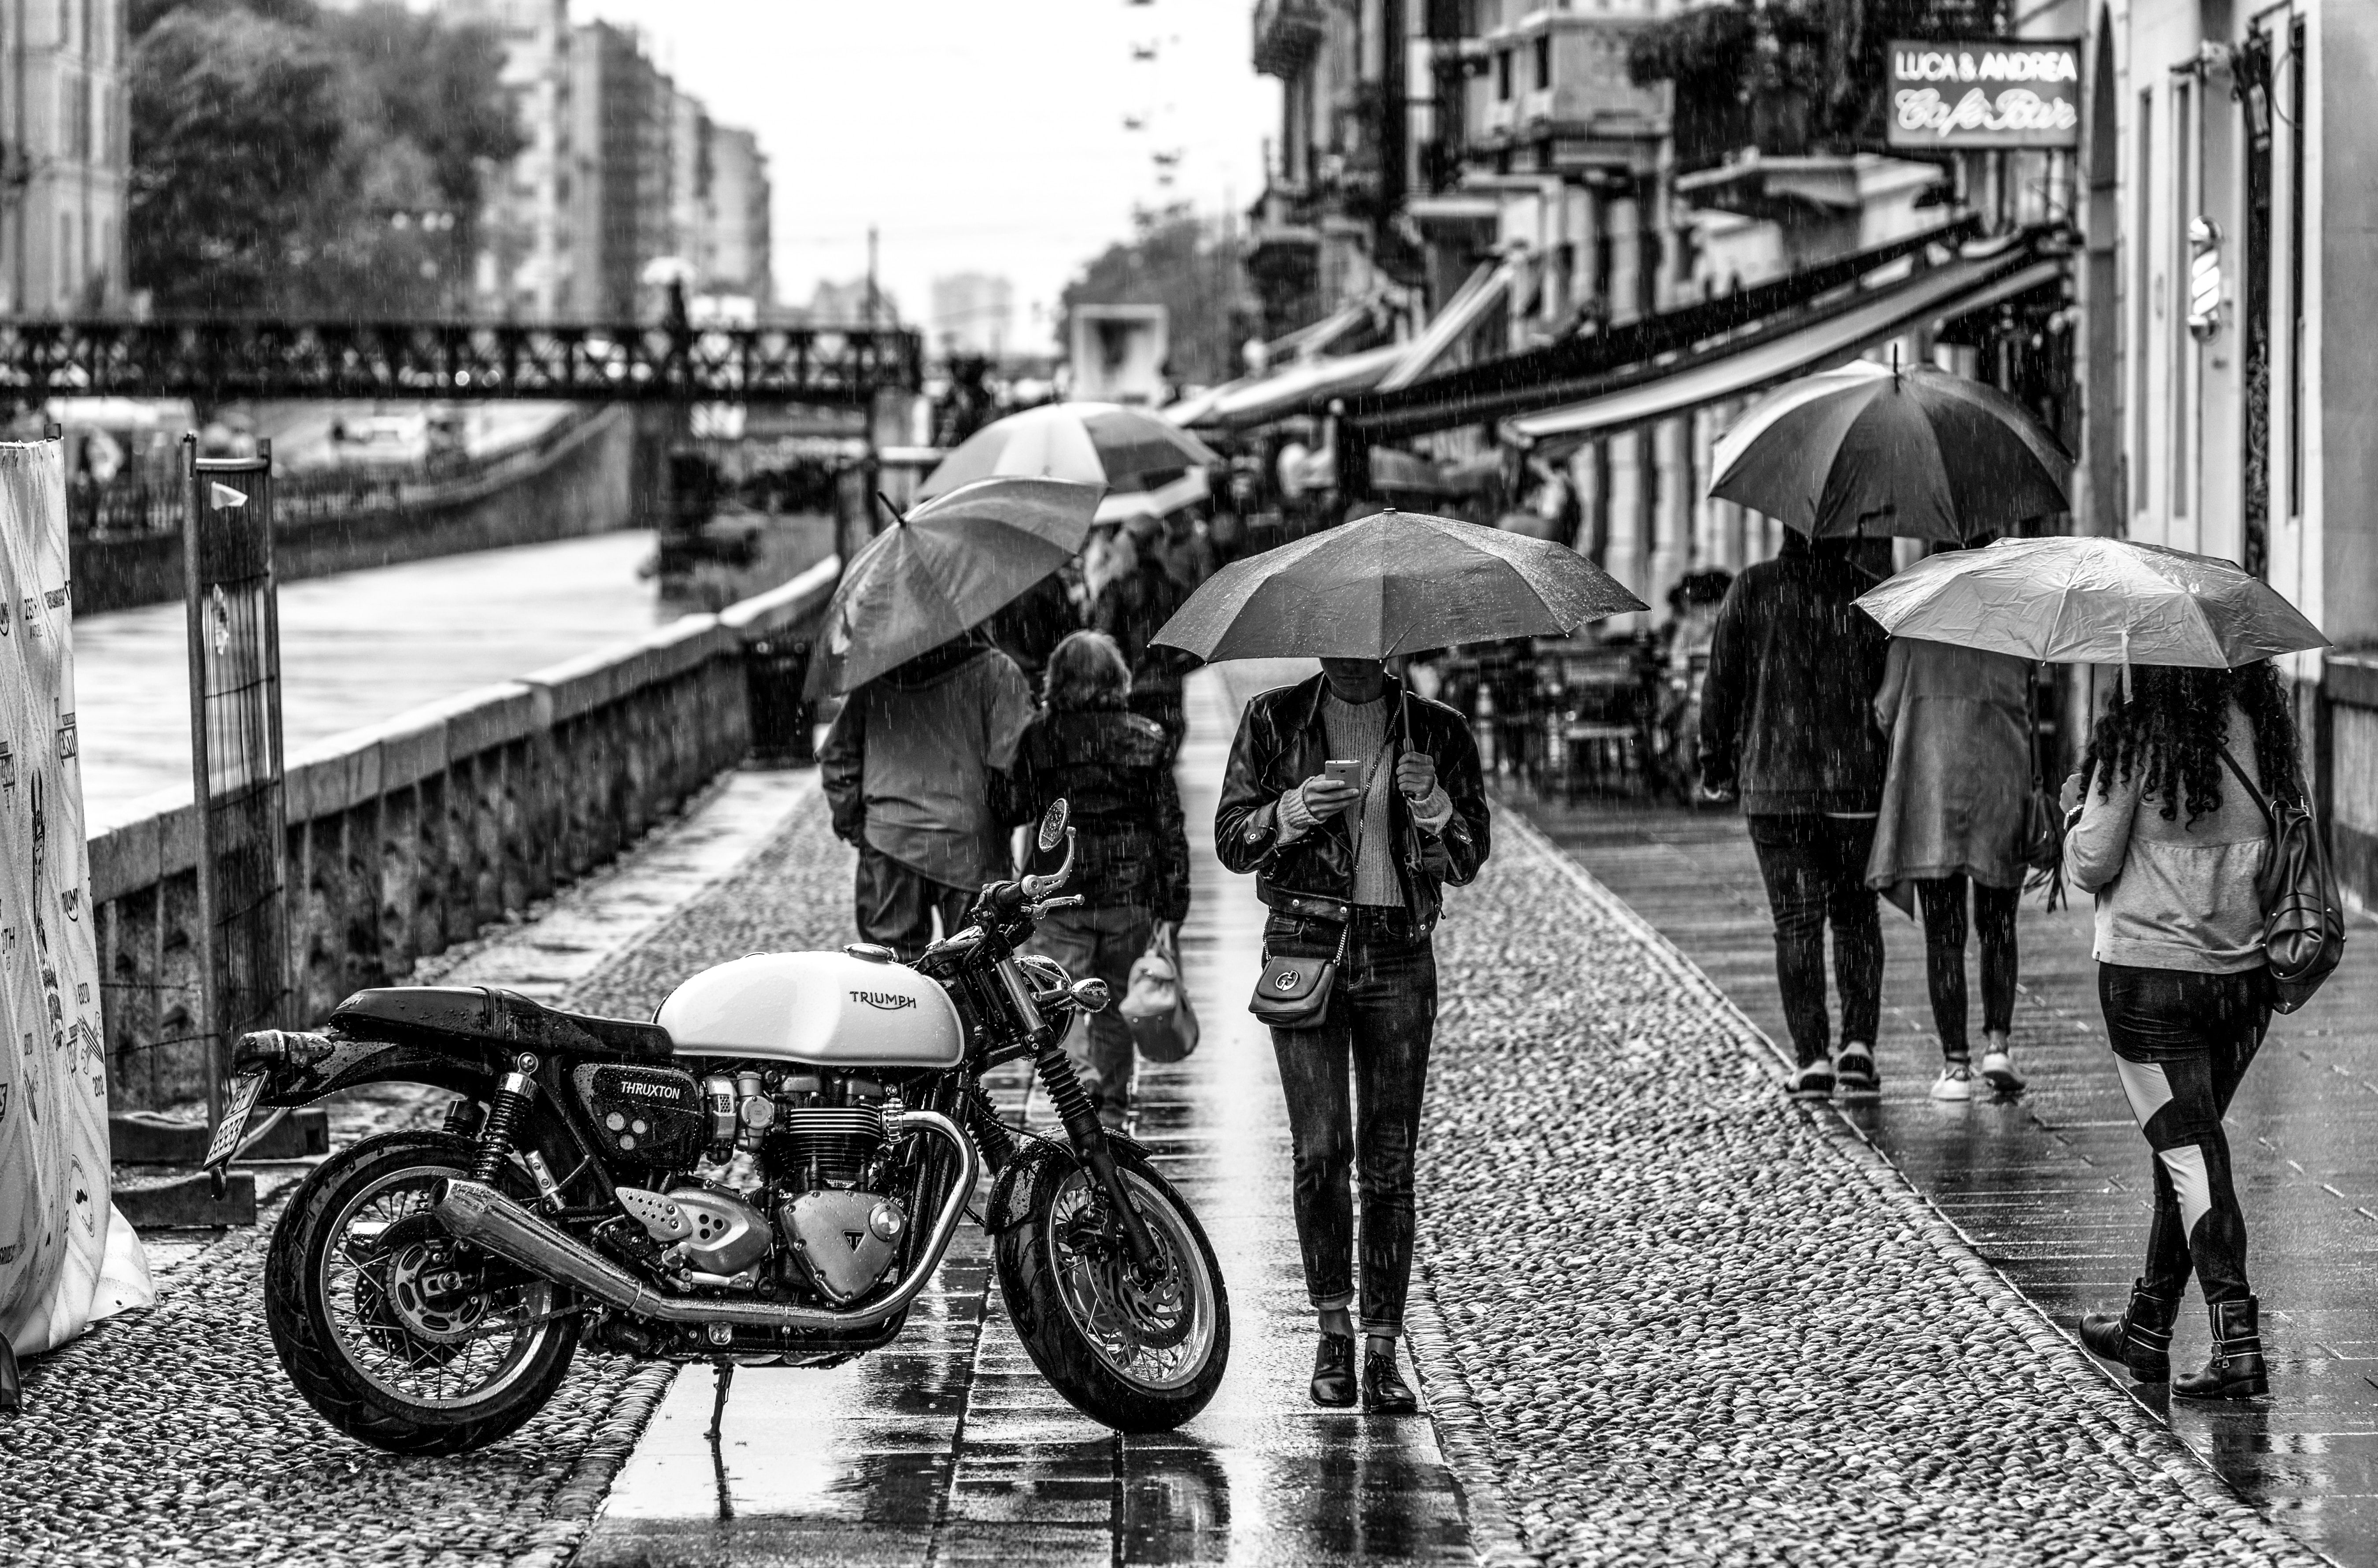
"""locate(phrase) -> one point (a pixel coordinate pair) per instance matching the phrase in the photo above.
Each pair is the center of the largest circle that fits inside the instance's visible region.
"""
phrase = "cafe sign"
(2004, 92)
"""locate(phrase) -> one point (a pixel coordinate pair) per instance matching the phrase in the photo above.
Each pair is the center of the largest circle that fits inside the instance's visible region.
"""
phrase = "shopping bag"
(1156, 1005)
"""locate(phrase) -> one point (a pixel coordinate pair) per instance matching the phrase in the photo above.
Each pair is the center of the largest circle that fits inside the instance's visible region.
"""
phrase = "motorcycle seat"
(486, 1012)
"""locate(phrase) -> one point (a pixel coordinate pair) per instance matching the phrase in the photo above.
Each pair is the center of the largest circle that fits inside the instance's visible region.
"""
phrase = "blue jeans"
(1374, 1038)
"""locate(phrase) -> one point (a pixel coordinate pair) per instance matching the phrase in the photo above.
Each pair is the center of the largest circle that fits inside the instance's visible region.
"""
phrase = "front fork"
(1080, 1117)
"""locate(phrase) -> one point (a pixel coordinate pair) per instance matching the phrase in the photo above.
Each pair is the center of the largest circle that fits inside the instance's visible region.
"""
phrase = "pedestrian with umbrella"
(2171, 829)
(1798, 679)
(1354, 803)
(934, 711)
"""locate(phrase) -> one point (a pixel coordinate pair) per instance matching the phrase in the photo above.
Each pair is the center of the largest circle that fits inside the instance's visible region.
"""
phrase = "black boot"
(1333, 1370)
(2235, 1370)
(2139, 1338)
(1384, 1392)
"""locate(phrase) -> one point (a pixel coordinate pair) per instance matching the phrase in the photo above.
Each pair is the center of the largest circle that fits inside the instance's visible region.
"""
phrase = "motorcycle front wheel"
(397, 1334)
(1138, 1351)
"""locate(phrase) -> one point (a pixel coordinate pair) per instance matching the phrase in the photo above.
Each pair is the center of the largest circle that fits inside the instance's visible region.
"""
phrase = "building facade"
(67, 133)
(2230, 203)
(526, 244)
(622, 168)
(973, 313)
(741, 260)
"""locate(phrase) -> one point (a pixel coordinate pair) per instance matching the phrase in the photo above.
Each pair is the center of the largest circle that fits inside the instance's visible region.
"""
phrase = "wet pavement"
(949, 1448)
(2052, 1189)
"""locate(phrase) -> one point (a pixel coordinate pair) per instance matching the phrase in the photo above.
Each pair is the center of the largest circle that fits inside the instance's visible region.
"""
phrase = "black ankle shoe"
(1333, 1370)
(2235, 1370)
(2139, 1338)
(1384, 1392)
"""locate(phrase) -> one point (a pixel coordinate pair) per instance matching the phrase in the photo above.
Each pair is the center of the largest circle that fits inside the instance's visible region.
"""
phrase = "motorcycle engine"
(821, 1152)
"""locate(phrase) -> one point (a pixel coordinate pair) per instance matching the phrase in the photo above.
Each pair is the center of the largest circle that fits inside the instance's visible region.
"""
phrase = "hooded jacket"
(1280, 744)
(1787, 711)
(1114, 771)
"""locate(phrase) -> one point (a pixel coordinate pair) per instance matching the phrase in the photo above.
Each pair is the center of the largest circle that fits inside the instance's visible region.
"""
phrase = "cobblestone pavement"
(172, 1435)
(949, 1447)
(1702, 1325)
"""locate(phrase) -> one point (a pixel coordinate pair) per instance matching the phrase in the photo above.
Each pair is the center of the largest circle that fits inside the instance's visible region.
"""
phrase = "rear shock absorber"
(504, 1113)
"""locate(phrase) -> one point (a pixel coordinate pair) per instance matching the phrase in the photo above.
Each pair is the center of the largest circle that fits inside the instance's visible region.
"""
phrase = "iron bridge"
(648, 363)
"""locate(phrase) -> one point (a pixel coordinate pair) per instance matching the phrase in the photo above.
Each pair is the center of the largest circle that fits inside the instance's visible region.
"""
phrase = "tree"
(309, 162)
(239, 128)
(1178, 261)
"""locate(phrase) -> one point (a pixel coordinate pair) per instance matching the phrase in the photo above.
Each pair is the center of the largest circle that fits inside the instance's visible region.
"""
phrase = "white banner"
(65, 1256)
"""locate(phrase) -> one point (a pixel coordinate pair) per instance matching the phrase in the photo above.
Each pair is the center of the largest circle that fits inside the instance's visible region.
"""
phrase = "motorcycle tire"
(1043, 1280)
(323, 1361)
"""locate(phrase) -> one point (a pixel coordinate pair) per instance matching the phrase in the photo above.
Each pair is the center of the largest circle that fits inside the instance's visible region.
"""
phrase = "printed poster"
(67, 1257)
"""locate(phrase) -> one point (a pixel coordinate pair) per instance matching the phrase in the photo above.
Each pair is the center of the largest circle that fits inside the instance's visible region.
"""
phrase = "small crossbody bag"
(1293, 992)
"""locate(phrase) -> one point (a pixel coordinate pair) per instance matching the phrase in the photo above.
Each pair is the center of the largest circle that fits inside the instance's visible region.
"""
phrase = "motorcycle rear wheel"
(1139, 1356)
(359, 1295)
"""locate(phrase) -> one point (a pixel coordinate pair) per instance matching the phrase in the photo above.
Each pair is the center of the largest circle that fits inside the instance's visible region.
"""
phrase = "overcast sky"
(982, 135)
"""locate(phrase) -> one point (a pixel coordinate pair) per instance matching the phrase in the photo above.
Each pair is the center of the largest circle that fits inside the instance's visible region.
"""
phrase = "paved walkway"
(949, 1448)
(2052, 1189)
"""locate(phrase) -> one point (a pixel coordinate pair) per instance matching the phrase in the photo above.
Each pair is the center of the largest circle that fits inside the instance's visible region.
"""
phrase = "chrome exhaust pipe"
(476, 1213)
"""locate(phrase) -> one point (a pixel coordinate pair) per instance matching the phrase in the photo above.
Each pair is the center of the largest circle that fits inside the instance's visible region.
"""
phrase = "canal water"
(356, 648)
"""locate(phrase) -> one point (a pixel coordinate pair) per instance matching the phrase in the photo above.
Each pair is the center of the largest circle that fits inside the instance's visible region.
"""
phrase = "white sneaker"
(1955, 1082)
(1998, 1068)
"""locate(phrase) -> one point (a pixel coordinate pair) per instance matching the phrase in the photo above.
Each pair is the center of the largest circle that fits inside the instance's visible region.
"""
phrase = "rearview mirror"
(1052, 826)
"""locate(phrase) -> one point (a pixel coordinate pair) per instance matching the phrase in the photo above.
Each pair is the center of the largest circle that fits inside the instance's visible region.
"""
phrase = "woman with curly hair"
(2161, 832)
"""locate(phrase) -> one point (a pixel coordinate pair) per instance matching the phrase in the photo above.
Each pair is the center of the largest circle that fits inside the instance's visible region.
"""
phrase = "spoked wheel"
(396, 1333)
(1139, 1349)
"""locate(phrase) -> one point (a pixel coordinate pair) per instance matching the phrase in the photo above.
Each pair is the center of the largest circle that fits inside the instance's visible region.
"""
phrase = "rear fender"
(464, 1067)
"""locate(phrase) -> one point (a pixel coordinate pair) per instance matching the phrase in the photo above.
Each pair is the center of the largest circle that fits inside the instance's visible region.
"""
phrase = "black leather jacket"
(1280, 744)
(1132, 847)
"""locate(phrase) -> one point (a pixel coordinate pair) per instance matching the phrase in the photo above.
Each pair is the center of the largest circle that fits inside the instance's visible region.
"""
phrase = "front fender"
(1017, 1190)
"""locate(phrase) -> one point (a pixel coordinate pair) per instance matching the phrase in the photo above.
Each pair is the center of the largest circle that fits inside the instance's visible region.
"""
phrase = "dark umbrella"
(943, 569)
(1868, 449)
(1390, 584)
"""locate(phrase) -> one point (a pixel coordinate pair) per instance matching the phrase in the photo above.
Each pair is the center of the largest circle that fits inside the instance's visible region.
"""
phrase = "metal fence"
(234, 636)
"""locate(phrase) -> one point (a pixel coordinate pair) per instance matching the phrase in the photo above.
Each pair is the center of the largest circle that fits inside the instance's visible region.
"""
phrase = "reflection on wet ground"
(2053, 1188)
(949, 1447)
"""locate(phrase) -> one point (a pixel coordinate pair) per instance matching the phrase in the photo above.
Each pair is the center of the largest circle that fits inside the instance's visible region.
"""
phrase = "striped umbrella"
(1131, 452)
(1870, 450)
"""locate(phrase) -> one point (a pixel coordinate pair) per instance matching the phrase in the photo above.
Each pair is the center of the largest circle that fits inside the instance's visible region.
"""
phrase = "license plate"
(238, 1104)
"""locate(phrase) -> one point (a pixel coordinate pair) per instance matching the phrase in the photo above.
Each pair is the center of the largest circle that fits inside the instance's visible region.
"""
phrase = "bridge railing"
(412, 835)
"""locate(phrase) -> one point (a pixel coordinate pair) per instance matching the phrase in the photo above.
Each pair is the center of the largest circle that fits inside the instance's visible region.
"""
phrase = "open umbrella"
(943, 569)
(2092, 601)
(1129, 450)
(1392, 582)
(1873, 450)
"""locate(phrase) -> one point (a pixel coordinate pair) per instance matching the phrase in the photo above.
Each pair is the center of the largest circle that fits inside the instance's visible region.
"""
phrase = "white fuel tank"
(828, 1010)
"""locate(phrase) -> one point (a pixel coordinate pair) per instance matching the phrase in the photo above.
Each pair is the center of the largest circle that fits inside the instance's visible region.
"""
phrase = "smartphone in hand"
(1344, 770)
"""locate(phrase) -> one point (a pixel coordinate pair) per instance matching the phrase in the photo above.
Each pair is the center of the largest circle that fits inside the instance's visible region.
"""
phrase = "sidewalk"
(949, 1448)
(2052, 1190)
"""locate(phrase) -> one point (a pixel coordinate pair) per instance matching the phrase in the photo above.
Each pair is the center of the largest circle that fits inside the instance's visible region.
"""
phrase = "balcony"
(1588, 98)
(1288, 34)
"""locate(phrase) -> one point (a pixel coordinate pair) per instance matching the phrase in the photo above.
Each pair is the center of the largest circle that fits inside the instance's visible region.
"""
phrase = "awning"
(1729, 370)
(1479, 294)
(1309, 341)
(1277, 396)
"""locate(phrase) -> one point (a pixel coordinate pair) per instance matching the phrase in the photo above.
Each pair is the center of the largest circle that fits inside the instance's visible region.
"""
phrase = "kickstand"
(12, 1391)
(726, 1374)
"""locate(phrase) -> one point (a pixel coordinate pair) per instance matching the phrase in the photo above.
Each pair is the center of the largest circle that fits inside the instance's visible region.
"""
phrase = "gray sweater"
(2177, 894)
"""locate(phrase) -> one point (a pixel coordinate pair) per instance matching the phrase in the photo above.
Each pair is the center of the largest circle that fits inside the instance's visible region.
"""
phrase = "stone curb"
(2126, 1431)
(1461, 1432)
(570, 1514)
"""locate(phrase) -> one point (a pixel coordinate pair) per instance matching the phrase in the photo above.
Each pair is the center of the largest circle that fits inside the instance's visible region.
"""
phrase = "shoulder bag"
(2303, 915)
(1293, 992)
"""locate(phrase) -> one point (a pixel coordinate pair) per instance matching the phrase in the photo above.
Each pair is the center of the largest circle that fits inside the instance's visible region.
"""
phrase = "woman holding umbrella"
(2165, 829)
(1354, 803)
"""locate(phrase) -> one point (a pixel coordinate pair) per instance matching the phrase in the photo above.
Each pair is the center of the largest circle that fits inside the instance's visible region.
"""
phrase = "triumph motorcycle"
(769, 1171)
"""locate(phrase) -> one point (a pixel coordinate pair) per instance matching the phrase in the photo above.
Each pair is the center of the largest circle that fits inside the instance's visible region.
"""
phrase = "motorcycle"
(769, 1171)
